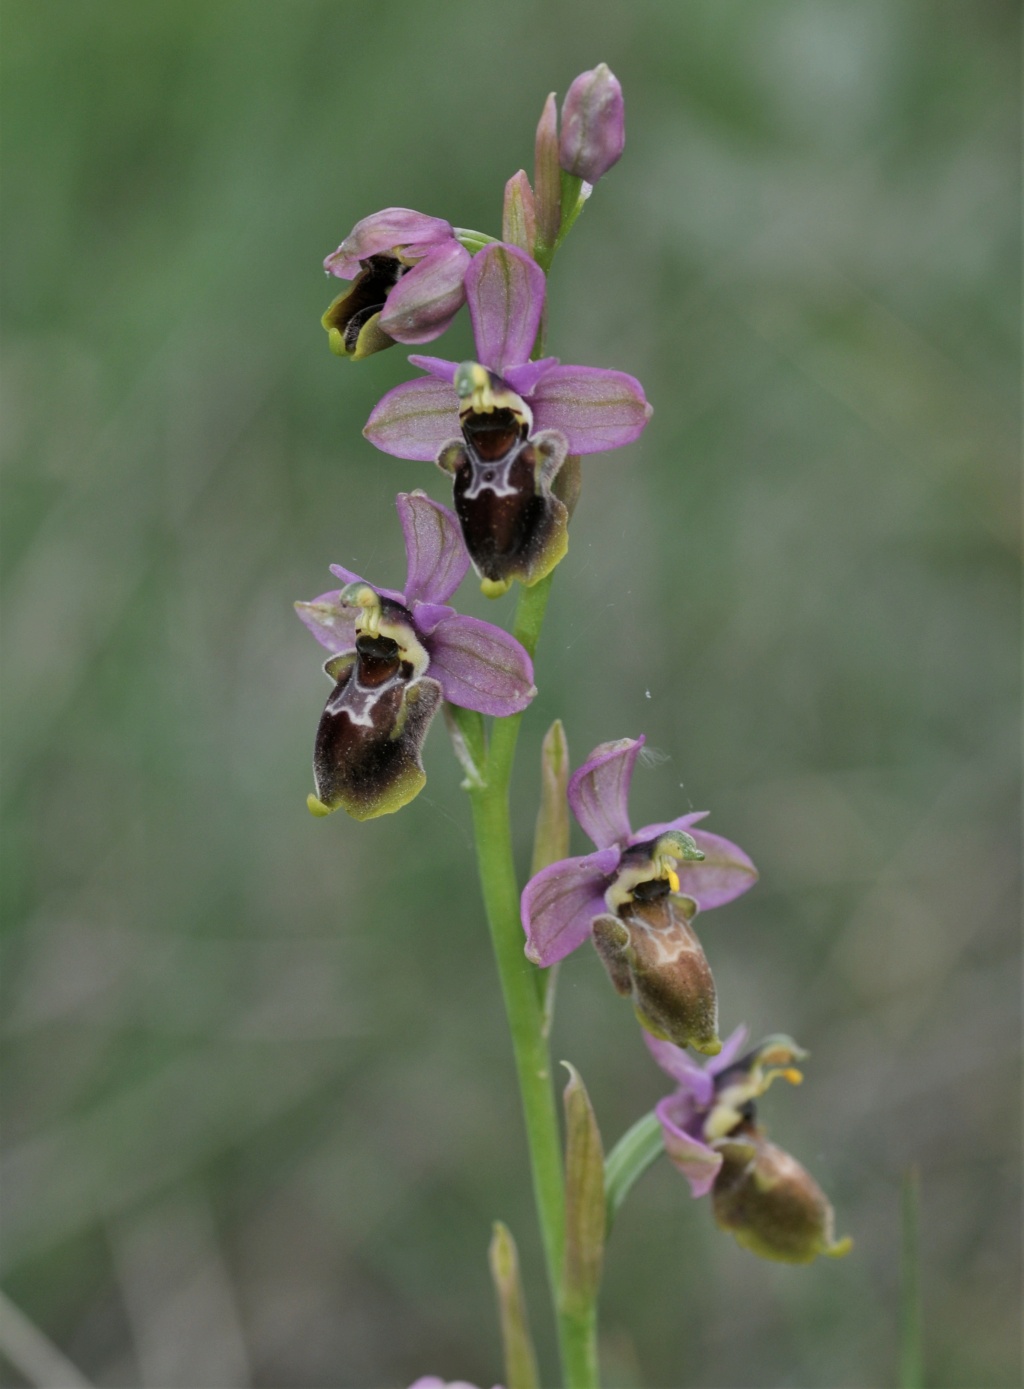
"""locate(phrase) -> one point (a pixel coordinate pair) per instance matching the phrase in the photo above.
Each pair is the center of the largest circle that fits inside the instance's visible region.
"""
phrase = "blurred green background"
(259, 1101)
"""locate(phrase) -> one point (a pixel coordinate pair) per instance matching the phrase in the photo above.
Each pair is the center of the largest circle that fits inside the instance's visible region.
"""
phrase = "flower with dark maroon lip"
(395, 657)
(407, 272)
(760, 1194)
(637, 897)
(520, 422)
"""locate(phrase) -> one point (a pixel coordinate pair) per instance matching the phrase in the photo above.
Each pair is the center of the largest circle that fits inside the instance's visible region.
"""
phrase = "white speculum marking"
(492, 477)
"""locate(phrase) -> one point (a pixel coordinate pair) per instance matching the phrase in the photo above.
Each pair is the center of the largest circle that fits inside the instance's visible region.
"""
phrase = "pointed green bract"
(551, 835)
(584, 1199)
(520, 1357)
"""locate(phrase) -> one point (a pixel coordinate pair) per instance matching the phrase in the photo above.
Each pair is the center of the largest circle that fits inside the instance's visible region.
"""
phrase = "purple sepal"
(479, 666)
(426, 299)
(599, 791)
(505, 293)
(698, 1163)
(384, 231)
(415, 419)
(595, 409)
(434, 548)
(560, 902)
(593, 124)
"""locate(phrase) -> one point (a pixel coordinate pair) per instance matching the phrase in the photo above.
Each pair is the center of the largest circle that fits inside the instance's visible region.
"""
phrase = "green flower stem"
(523, 1003)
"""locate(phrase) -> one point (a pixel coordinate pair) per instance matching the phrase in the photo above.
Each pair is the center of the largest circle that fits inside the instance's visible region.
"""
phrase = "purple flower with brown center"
(395, 657)
(521, 424)
(407, 272)
(637, 897)
(759, 1193)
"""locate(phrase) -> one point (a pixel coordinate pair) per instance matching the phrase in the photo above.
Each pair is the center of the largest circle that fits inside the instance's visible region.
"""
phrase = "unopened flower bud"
(593, 124)
(519, 214)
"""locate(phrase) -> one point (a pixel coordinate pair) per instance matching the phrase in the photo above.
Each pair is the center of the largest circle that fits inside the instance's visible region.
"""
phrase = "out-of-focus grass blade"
(911, 1358)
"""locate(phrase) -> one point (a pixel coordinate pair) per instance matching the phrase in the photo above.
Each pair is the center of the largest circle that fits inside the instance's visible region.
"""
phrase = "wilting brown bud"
(771, 1203)
(653, 956)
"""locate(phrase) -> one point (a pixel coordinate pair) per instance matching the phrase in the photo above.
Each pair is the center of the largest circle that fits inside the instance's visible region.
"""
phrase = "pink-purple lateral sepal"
(415, 419)
(698, 1163)
(594, 408)
(560, 902)
(386, 232)
(479, 666)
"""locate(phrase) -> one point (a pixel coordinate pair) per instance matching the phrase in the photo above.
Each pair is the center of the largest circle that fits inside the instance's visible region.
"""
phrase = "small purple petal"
(561, 901)
(505, 290)
(434, 547)
(415, 419)
(698, 1163)
(437, 366)
(347, 577)
(595, 409)
(725, 873)
(332, 625)
(480, 667)
(523, 379)
(599, 791)
(426, 299)
(426, 616)
(676, 1062)
(731, 1048)
(383, 231)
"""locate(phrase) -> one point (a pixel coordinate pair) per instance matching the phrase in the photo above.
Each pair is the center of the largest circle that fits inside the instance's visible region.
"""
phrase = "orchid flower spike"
(395, 656)
(407, 272)
(761, 1195)
(637, 897)
(505, 427)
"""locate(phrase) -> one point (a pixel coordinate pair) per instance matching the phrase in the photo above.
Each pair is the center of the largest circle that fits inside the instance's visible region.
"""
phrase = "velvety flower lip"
(557, 923)
(760, 1194)
(407, 272)
(394, 656)
(593, 408)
